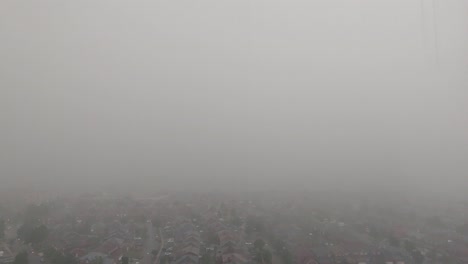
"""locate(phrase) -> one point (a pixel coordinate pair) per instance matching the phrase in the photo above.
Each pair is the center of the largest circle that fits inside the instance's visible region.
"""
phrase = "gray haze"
(234, 94)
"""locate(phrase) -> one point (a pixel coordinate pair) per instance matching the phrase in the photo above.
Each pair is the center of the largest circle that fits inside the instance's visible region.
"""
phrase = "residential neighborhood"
(233, 131)
(210, 228)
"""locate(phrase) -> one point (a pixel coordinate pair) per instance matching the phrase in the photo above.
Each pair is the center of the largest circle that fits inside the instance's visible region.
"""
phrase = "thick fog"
(234, 94)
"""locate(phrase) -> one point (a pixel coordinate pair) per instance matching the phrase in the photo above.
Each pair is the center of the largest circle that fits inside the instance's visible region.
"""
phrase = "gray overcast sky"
(234, 93)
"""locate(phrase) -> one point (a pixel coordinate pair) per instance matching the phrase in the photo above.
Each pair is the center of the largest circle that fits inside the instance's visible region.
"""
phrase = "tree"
(267, 256)
(432, 254)
(66, 259)
(263, 256)
(39, 234)
(259, 244)
(35, 213)
(211, 237)
(418, 257)
(376, 233)
(140, 218)
(98, 260)
(32, 234)
(233, 212)
(2, 228)
(125, 260)
(21, 258)
(164, 259)
(379, 259)
(24, 232)
(446, 259)
(157, 222)
(206, 259)
(56, 257)
(393, 241)
(463, 229)
(282, 250)
(278, 245)
(435, 221)
(287, 257)
(234, 218)
(409, 246)
(141, 232)
(254, 224)
(223, 210)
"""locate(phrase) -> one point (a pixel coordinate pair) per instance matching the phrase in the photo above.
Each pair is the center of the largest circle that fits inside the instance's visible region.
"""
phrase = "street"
(150, 244)
(156, 261)
(10, 233)
(33, 258)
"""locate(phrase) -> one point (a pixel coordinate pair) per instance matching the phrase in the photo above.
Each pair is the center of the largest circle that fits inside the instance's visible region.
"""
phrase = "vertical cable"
(435, 31)
(423, 22)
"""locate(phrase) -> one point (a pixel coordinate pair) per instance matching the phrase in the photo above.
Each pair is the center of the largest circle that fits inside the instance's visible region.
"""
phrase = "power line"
(435, 31)
(423, 21)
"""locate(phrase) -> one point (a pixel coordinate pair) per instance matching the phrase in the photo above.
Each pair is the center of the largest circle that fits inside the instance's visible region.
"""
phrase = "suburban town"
(220, 228)
(233, 131)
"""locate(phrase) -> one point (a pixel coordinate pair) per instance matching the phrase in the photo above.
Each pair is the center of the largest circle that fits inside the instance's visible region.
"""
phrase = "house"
(187, 259)
(90, 257)
(392, 257)
(308, 260)
(323, 255)
(6, 256)
(304, 256)
(233, 258)
(190, 243)
(192, 240)
(191, 250)
(112, 247)
(78, 252)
